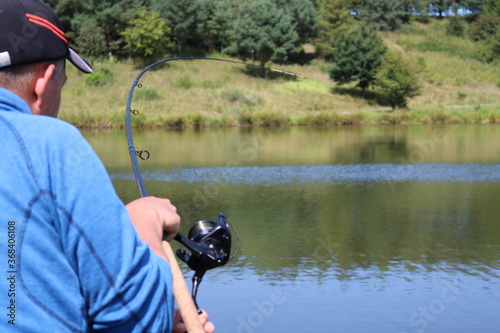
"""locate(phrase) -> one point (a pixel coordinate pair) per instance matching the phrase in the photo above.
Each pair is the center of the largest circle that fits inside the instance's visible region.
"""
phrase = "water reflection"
(324, 174)
(379, 229)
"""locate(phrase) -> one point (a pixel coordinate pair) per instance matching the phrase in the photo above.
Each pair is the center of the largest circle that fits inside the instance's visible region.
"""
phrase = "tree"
(440, 7)
(334, 20)
(485, 30)
(263, 30)
(109, 17)
(492, 7)
(398, 79)
(182, 17)
(91, 41)
(304, 16)
(147, 35)
(357, 55)
(216, 24)
(383, 14)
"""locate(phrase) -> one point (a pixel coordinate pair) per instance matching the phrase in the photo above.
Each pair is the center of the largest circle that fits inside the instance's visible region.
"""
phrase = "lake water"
(344, 229)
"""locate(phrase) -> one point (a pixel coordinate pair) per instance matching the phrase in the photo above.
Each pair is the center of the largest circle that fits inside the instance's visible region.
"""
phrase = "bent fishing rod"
(208, 243)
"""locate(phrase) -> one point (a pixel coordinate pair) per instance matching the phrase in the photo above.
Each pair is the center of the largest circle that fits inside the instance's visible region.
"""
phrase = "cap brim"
(79, 62)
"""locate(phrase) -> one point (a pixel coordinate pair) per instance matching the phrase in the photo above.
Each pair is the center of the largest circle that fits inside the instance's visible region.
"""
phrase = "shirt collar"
(11, 102)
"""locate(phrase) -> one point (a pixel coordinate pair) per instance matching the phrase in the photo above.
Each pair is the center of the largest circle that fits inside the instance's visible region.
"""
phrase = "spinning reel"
(210, 246)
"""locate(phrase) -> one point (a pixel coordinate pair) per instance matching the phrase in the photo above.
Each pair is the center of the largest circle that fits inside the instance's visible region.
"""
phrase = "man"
(73, 258)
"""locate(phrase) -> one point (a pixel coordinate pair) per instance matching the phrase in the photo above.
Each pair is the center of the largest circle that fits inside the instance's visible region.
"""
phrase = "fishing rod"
(208, 243)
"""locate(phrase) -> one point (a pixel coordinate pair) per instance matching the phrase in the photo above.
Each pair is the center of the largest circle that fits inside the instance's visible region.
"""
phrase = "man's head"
(33, 47)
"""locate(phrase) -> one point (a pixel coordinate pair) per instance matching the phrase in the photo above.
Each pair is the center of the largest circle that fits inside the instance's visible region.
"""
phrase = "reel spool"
(210, 245)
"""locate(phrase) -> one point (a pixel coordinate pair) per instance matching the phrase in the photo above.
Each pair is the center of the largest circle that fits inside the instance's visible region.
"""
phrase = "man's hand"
(179, 326)
(152, 217)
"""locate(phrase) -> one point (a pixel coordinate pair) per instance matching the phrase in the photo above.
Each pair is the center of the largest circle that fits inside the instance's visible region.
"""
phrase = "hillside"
(455, 88)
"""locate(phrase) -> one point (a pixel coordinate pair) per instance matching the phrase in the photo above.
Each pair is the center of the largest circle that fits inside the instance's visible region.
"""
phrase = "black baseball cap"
(31, 32)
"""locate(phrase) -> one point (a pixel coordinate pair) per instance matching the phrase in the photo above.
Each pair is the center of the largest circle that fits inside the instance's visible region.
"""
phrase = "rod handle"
(185, 302)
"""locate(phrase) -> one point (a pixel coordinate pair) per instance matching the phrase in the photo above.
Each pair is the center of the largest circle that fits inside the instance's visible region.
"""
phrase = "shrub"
(485, 27)
(397, 78)
(99, 77)
(455, 26)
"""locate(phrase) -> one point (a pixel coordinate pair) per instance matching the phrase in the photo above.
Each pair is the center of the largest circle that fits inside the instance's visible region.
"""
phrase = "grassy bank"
(455, 89)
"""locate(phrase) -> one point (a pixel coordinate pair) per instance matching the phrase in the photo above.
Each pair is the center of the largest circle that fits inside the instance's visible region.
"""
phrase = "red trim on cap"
(47, 24)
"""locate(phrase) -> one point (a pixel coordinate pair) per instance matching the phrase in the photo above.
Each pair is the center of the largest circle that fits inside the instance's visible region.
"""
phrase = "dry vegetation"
(199, 93)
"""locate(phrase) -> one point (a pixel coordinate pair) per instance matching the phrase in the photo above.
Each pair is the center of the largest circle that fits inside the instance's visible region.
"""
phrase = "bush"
(484, 28)
(455, 26)
(99, 77)
(397, 78)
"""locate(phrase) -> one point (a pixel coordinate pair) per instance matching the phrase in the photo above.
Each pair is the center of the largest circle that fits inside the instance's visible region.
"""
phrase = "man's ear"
(40, 87)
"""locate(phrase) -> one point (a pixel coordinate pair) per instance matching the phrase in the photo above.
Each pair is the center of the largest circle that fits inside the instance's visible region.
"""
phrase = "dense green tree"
(398, 79)
(492, 7)
(473, 6)
(216, 24)
(484, 27)
(383, 14)
(90, 40)
(147, 35)
(304, 16)
(485, 30)
(358, 53)
(455, 26)
(264, 32)
(182, 18)
(334, 20)
(110, 17)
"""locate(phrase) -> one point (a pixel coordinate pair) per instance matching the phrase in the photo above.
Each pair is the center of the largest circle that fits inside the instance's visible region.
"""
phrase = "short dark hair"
(16, 78)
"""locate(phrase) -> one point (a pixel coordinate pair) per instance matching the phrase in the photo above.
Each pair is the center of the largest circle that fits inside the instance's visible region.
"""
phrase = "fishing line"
(208, 242)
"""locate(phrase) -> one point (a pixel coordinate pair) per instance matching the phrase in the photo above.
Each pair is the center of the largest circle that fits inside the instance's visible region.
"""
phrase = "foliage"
(397, 78)
(264, 31)
(383, 14)
(334, 20)
(492, 7)
(489, 49)
(216, 25)
(91, 41)
(486, 32)
(146, 37)
(109, 17)
(182, 18)
(440, 7)
(357, 56)
(455, 26)
(99, 77)
(485, 27)
(304, 17)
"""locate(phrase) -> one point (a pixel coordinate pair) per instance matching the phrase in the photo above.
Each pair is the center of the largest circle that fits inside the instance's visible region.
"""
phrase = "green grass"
(196, 94)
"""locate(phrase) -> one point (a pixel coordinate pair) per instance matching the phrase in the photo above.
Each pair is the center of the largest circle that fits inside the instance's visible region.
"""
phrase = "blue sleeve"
(126, 287)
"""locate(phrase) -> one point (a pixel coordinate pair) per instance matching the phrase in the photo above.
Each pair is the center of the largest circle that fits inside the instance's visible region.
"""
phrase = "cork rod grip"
(182, 295)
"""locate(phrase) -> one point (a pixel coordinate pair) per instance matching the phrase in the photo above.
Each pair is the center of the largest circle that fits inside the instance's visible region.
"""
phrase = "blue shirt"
(70, 258)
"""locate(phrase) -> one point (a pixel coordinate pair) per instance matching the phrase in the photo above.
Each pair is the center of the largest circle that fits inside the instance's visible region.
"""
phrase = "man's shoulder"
(44, 128)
